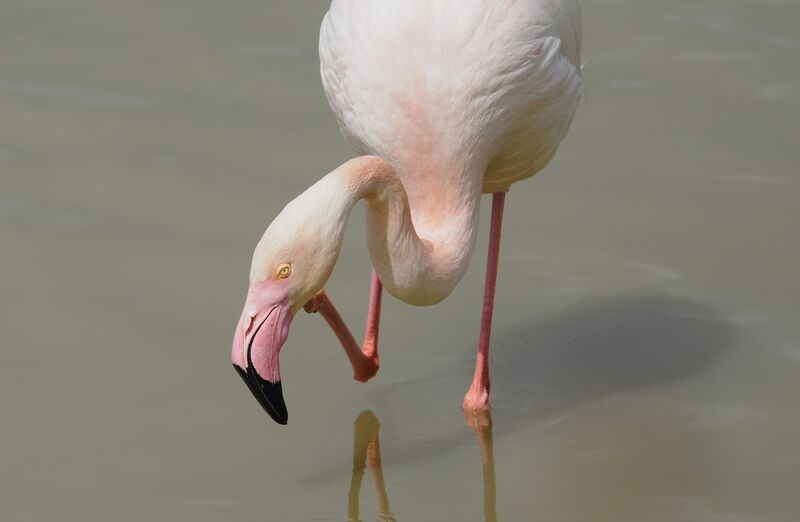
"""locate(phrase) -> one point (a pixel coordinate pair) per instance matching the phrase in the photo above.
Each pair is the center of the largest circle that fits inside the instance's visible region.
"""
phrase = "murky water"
(646, 362)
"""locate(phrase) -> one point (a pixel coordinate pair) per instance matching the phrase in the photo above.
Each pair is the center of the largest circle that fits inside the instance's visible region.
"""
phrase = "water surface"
(646, 357)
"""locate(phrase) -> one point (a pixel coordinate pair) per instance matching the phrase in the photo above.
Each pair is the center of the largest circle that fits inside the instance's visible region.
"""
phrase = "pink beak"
(257, 342)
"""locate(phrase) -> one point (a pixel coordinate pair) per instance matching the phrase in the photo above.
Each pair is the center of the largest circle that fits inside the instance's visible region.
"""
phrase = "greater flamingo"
(445, 100)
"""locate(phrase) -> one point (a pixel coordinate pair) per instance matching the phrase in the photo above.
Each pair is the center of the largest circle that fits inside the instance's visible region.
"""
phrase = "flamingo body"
(453, 93)
(445, 100)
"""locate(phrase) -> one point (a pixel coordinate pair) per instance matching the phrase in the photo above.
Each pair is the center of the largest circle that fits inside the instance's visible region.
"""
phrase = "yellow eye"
(284, 271)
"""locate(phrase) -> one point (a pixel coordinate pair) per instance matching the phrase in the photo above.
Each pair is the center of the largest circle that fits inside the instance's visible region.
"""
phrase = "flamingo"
(443, 101)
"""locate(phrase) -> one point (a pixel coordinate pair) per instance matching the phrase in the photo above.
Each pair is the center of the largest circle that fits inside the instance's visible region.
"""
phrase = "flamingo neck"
(420, 251)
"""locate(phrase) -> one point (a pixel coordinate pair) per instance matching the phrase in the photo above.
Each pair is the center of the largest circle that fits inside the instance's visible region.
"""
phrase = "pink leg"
(370, 348)
(477, 397)
(364, 359)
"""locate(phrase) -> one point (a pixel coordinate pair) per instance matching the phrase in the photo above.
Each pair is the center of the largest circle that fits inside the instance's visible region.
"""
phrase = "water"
(646, 358)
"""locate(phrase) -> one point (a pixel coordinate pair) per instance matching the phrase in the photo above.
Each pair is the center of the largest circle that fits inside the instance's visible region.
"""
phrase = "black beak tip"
(268, 394)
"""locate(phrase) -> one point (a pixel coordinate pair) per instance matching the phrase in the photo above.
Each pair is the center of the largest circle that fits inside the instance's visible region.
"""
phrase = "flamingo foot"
(477, 398)
(365, 361)
(367, 367)
(315, 303)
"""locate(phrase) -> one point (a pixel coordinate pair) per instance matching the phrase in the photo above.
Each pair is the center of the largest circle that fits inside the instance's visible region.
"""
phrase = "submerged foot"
(479, 420)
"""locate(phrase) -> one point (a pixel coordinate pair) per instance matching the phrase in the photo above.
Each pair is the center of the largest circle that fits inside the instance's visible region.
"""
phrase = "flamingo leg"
(477, 397)
(370, 347)
(364, 359)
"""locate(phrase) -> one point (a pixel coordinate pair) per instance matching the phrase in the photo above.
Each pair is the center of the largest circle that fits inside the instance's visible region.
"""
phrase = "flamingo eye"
(284, 271)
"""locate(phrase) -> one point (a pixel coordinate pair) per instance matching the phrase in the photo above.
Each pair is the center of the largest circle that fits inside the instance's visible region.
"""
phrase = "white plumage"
(441, 87)
(445, 100)
(460, 98)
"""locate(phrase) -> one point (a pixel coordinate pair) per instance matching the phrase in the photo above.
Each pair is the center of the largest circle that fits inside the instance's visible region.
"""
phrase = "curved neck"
(421, 252)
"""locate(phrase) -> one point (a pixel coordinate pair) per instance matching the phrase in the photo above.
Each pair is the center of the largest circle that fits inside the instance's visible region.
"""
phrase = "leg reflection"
(481, 423)
(367, 451)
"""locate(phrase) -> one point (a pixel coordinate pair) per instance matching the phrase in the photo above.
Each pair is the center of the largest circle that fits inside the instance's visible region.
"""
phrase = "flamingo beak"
(257, 342)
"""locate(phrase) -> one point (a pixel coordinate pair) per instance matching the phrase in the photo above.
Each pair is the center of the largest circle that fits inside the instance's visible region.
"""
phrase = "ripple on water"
(722, 416)
(691, 509)
(21, 211)
(82, 96)
(275, 49)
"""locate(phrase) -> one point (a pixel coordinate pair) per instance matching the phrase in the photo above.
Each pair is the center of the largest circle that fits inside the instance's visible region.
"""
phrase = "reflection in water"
(481, 423)
(603, 346)
(367, 451)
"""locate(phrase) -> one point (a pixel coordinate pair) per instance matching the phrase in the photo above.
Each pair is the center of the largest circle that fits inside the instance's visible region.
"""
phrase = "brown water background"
(646, 362)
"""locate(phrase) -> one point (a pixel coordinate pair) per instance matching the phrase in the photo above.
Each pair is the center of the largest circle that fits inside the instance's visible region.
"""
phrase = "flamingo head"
(290, 265)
